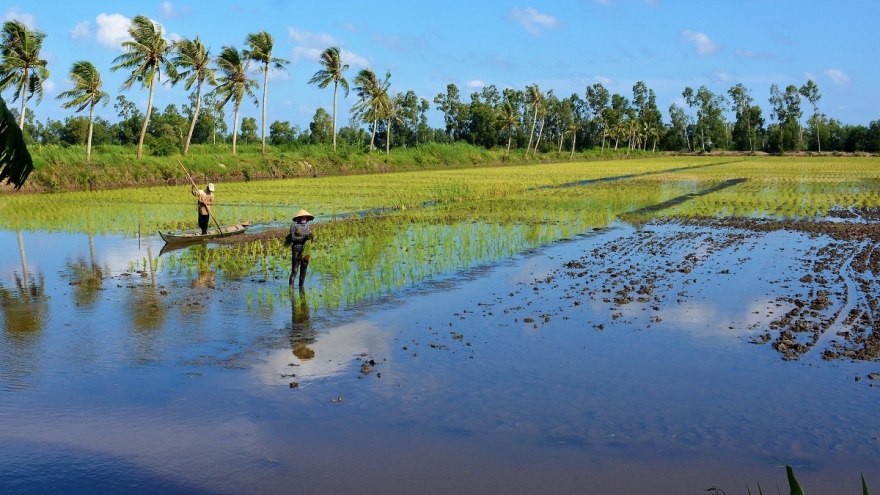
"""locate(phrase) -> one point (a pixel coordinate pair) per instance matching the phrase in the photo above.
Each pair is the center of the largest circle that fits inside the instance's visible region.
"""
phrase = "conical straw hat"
(304, 213)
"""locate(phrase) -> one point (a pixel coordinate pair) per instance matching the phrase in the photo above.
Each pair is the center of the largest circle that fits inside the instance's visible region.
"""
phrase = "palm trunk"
(538, 141)
(373, 137)
(532, 132)
(388, 137)
(23, 99)
(509, 139)
(24, 270)
(140, 151)
(818, 130)
(573, 139)
(235, 129)
(603, 136)
(89, 141)
(265, 94)
(335, 90)
(192, 126)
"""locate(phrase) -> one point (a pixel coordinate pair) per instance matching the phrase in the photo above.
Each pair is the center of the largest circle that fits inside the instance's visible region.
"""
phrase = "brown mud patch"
(814, 293)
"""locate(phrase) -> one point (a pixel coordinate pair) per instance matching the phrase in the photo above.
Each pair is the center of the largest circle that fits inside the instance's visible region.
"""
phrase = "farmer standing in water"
(300, 233)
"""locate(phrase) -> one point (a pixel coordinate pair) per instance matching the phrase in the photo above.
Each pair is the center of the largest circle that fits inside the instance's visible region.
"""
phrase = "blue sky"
(564, 45)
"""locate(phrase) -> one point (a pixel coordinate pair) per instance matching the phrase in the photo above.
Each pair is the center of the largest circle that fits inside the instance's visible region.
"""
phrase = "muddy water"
(521, 377)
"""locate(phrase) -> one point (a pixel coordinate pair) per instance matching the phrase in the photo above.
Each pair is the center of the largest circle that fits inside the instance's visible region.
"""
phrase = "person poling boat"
(205, 201)
(300, 233)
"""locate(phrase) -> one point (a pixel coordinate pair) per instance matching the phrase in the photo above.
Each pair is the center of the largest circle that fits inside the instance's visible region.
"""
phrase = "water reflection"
(87, 277)
(301, 333)
(147, 313)
(25, 311)
(205, 278)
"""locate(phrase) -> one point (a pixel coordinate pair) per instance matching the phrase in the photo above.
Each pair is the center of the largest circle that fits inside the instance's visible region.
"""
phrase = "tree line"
(527, 121)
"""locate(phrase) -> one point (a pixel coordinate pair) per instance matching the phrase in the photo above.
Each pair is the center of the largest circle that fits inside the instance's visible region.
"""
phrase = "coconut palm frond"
(15, 159)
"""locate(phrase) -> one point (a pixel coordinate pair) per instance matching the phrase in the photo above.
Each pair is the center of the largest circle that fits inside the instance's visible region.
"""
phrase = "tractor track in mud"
(838, 270)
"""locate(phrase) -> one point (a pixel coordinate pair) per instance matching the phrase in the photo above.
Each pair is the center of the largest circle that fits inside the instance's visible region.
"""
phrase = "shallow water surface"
(511, 377)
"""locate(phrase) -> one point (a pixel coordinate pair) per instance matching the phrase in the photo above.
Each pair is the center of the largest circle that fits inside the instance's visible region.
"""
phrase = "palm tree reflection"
(25, 311)
(147, 313)
(87, 278)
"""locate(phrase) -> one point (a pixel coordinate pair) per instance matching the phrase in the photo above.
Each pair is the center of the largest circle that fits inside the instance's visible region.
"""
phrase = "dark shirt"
(299, 234)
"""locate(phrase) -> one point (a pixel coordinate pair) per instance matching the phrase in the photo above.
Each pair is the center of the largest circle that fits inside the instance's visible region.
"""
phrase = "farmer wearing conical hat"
(205, 201)
(300, 233)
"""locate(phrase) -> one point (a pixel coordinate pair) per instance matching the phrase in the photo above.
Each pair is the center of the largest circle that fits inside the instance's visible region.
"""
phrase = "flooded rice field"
(652, 353)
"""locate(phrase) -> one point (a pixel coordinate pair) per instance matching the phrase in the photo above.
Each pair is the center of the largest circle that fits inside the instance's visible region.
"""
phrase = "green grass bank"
(64, 168)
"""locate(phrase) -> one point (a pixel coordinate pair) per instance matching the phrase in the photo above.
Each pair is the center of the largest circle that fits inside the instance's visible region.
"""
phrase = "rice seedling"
(402, 229)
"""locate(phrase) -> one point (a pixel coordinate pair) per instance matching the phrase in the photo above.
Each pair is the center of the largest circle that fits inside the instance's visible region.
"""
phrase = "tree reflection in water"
(87, 278)
(25, 311)
(147, 313)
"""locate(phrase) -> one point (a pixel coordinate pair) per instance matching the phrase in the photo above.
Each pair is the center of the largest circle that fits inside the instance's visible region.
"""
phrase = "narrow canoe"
(195, 236)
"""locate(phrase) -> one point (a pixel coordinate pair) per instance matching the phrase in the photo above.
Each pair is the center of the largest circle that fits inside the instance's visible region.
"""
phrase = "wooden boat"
(197, 236)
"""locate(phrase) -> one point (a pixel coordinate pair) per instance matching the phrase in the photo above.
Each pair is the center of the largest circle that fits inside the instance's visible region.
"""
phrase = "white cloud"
(278, 74)
(838, 76)
(311, 45)
(476, 84)
(303, 52)
(604, 81)
(14, 13)
(166, 9)
(82, 30)
(49, 86)
(704, 44)
(112, 29)
(353, 59)
(533, 21)
(723, 76)
(314, 40)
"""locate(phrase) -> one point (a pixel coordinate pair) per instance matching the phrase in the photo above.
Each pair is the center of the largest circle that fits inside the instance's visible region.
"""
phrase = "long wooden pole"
(219, 230)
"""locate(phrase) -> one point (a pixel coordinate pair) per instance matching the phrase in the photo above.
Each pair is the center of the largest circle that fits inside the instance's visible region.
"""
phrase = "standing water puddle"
(623, 361)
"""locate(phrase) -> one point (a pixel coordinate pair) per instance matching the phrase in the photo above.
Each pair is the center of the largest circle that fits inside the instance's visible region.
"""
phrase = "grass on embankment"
(64, 168)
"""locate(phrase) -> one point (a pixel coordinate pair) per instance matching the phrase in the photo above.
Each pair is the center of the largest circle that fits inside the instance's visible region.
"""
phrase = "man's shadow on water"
(301, 333)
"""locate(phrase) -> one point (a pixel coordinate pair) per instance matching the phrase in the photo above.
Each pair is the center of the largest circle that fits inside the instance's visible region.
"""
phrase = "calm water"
(160, 384)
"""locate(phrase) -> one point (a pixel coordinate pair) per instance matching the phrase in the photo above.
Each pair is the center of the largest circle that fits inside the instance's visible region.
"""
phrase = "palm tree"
(21, 66)
(146, 54)
(86, 92)
(534, 97)
(234, 84)
(374, 102)
(194, 59)
(508, 118)
(332, 72)
(260, 50)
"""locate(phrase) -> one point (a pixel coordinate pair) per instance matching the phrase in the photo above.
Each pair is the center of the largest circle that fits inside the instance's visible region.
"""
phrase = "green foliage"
(792, 481)
(321, 127)
(21, 67)
(15, 160)
(248, 132)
